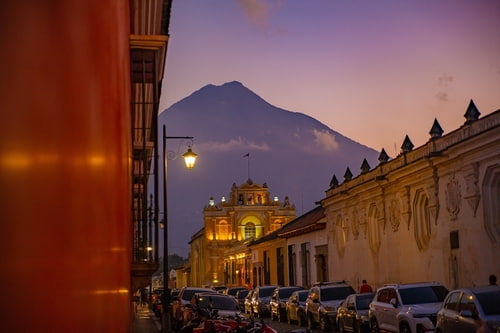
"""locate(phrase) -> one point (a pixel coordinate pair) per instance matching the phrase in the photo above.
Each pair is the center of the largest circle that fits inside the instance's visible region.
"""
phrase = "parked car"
(278, 300)
(185, 296)
(220, 306)
(322, 303)
(260, 300)
(220, 289)
(352, 314)
(296, 307)
(240, 298)
(233, 290)
(248, 303)
(406, 308)
(470, 310)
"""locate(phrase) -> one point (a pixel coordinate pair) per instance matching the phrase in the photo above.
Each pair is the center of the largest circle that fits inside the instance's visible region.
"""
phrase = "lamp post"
(189, 160)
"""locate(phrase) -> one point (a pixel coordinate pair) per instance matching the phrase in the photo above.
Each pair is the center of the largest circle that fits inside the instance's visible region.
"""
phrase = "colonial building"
(306, 248)
(431, 213)
(285, 256)
(219, 254)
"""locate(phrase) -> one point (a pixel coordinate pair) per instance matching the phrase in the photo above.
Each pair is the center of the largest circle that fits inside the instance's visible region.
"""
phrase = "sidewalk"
(145, 321)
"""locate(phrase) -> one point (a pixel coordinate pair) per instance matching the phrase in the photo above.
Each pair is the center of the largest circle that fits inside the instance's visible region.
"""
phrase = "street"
(287, 328)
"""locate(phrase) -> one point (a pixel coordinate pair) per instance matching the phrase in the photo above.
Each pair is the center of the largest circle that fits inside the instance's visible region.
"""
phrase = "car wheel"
(404, 328)
(374, 326)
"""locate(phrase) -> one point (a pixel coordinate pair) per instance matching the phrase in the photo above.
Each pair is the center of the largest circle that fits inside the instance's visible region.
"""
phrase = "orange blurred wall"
(64, 166)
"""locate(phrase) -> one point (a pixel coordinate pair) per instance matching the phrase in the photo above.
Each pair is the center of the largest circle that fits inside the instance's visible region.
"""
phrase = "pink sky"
(373, 70)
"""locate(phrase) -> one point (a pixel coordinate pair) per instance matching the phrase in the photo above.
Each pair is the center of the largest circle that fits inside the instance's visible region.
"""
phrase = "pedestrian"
(365, 288)
(493, 280)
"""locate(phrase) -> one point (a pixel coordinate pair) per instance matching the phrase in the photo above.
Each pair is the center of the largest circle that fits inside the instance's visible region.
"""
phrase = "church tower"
(248, 213)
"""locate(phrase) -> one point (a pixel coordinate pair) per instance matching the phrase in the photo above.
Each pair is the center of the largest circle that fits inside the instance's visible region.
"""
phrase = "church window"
(250, 230)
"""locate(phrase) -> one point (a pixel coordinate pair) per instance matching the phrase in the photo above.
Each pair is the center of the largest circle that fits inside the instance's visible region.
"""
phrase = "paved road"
(286, 328)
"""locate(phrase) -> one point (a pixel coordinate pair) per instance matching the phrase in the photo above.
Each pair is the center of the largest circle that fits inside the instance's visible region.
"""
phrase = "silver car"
(470, 310)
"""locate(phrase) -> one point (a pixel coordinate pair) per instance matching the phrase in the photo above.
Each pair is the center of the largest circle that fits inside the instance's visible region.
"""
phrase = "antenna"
(247, 155)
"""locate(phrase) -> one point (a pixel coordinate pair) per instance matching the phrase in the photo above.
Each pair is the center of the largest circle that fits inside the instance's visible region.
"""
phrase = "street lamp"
(189, 160)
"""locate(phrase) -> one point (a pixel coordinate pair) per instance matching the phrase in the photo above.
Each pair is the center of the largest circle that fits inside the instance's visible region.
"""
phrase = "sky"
(372, 70)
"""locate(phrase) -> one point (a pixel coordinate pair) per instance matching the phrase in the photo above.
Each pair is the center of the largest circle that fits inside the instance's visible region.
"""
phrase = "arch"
(276, 224)
(223, 230)
(422, 220)
(341, 234)
(491, 197)
(373, 229)
(250, 225)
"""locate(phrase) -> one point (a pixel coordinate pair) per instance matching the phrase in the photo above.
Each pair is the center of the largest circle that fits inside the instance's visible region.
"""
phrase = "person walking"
(365, 288)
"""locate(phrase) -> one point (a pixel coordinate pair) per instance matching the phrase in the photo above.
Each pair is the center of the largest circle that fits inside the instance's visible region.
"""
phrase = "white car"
(406, 308)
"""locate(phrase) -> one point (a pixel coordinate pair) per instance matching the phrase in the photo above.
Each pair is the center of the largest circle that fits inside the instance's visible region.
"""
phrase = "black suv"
(323, 301)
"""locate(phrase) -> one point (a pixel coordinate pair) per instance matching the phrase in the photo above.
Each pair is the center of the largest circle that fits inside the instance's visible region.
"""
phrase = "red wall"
(64, 166)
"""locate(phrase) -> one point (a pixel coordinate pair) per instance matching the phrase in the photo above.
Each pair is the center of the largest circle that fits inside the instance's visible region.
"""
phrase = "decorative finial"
(347, 175)
(407, 145)
(436, 130)
(472, 113)
(334, 182)
(365, 167)
(383, 157)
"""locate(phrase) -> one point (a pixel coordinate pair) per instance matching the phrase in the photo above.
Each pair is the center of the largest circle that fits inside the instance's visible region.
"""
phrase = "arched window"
(250, 230)
(491, 195)
(276, 224)
(223, 230)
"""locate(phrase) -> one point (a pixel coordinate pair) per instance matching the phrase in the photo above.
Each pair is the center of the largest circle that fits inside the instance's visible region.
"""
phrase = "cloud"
(234, 144)
(444, 83)
(325, 140)
(442, 97)
(445, 80)
(257, 11)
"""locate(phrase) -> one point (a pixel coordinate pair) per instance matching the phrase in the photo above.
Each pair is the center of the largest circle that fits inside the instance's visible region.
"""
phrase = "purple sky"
(373, 70)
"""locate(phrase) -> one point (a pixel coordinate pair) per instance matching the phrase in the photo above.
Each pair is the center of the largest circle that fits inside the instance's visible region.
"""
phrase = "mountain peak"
(229, 93)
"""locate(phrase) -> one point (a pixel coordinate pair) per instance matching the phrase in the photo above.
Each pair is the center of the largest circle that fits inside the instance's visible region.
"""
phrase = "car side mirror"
(466, 313)
(394, 302)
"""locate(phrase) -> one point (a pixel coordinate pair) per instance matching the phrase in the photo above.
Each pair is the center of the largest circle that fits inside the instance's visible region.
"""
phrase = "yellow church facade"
(219, 252)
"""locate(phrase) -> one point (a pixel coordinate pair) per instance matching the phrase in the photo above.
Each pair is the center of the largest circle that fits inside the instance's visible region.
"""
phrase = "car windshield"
(303, 296)
(188, 293)
(233, 291)
(265, 292)
(490, 302)
(329, 294)
(217, 302)
(286, 292)
(363, 301)
(422, 295)
(242, 294)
